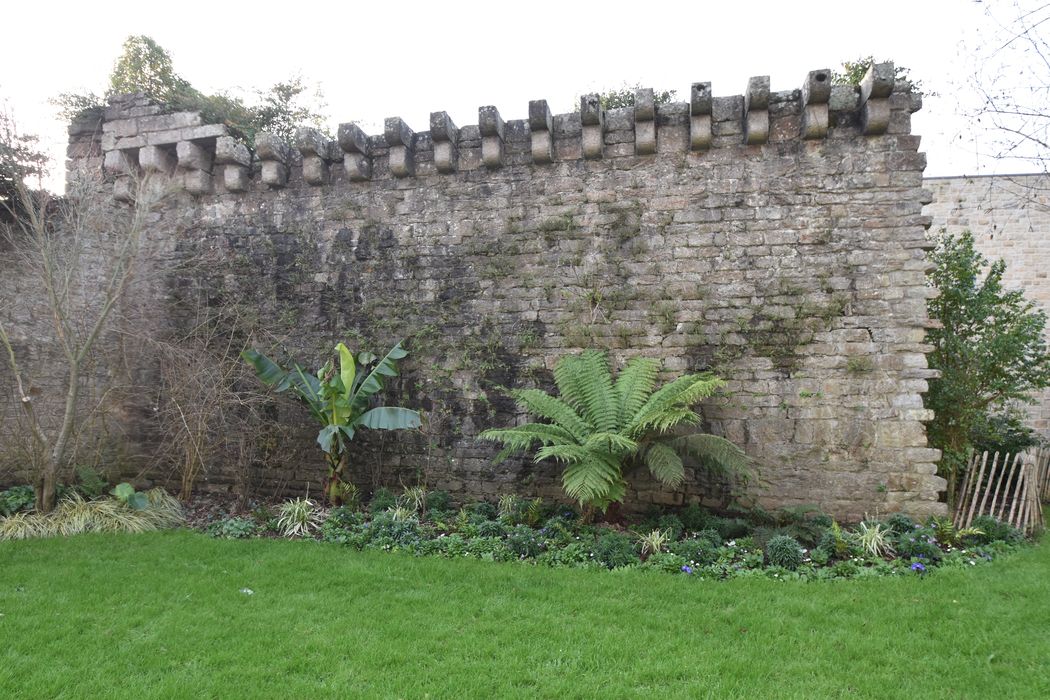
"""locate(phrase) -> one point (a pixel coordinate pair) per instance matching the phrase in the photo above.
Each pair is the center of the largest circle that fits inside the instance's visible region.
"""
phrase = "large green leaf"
(373, 383)
(389, 418)
(271, 373)
(347, 369)
(327, 438)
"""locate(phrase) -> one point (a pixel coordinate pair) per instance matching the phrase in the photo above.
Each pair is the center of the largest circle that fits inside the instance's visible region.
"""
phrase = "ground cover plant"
(798, 543)
(179, 614)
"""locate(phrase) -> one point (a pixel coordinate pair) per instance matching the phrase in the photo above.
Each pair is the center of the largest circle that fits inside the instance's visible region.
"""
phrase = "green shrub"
(438, 501)
(90, 484)
(822, 520)
(388, 532)
(16, 499)
(573, 555)
(672, 525)
(480, 511)
(233, 528)
(918, 543)
(699, 550)
(489, 549)
(613, 549)
(899, 522)
(711, 536)
(454, 545)
(667, 561)
(491, 528)
(835, 542)
(845, 569)
(694, 518)
(341, 524)
(819, 557)
(995, 531)
(731, 528)
(784, 551)
(524, 542)
(383, 499)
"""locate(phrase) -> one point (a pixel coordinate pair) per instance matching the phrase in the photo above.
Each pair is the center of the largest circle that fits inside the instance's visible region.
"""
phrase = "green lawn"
(162, 615)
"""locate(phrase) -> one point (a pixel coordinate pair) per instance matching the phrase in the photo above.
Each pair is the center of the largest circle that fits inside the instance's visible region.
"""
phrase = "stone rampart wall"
(775, 237)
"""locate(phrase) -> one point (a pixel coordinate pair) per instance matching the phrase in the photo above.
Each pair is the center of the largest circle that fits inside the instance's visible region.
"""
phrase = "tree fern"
(598, 426)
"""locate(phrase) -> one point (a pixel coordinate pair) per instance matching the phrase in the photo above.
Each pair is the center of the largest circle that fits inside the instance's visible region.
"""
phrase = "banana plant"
(338, 396)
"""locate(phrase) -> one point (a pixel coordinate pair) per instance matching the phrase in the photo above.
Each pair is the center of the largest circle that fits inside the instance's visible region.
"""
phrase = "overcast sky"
(374, 60)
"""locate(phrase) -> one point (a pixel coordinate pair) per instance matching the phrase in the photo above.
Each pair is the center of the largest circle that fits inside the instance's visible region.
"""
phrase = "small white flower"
(247, 591)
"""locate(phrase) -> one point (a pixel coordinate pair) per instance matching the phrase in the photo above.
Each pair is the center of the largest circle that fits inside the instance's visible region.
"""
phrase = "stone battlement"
(776, 238)
(136, 135)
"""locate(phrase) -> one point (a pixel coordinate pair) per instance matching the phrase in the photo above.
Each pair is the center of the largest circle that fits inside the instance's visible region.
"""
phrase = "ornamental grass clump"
(875, 539)
(155, 510)
(298, 518)
(598, 427)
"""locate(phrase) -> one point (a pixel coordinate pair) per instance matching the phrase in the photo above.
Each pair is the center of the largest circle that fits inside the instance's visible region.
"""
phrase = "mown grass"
(163, 615)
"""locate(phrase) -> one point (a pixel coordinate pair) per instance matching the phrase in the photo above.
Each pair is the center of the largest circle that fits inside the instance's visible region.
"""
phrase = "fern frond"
(665, 464)
(522, 437)
(592, 480)
(633, 387)
(682, 393)
(614, 443)
(556, 410)
(662, 421)
(586, 384)
(569, 454)
(714, 452)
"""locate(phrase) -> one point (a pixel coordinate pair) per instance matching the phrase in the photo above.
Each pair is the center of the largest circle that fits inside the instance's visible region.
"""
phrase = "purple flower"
(918, 567)
(687, 569)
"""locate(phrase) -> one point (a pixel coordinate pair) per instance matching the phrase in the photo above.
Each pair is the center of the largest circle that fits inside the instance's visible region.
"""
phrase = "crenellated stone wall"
(1009, 216)
(775, 237)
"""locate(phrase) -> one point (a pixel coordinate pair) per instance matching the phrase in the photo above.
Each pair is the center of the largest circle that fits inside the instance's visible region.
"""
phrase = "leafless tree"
(1010, 77)
(81, 253)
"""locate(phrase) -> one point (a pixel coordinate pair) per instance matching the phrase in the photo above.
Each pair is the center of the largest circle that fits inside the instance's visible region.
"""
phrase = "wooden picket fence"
(1010, 488)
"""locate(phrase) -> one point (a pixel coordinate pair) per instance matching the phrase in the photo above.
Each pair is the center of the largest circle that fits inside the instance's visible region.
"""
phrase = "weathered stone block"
(493, 130)
(193, 156)
(155, 159)
(269, 147)
(541, 127)
(120, 162)
(274, 173)
(311, 142)
(229, 150)
(315, 170)
(235, 178)
(198, 182)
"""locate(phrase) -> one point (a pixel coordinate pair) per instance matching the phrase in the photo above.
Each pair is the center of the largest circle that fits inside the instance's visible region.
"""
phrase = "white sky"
(406, 59)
